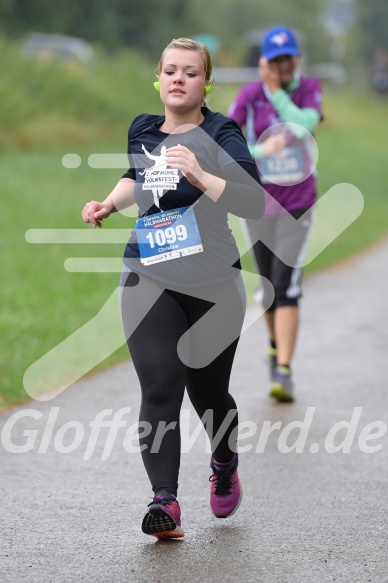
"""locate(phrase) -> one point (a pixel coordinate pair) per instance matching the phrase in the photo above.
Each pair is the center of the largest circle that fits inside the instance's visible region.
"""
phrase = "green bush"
(48, 102)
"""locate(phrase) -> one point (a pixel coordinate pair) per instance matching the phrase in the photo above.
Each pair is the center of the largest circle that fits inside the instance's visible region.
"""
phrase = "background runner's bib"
(168, 235)
(284, 167)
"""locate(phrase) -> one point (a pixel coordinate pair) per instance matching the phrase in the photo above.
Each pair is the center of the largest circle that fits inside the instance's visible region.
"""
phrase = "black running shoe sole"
(157, 521)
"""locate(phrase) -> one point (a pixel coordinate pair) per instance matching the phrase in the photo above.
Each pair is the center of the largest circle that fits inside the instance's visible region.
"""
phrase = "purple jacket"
(254, 109)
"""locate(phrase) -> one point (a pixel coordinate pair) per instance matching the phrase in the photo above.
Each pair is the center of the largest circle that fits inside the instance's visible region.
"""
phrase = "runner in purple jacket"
(279, 113)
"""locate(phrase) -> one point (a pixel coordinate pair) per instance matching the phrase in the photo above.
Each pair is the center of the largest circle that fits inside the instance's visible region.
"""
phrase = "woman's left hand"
(181, 158)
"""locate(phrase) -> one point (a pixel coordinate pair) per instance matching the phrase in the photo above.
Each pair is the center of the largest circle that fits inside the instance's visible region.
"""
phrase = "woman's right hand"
(94, 212)
(274, 143)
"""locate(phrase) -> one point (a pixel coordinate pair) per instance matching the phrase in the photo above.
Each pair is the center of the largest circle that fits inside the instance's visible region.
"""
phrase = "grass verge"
(43, 304)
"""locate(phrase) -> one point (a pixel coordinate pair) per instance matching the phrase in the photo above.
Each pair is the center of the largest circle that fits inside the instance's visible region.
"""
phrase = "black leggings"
(166, 360)
(279, 246)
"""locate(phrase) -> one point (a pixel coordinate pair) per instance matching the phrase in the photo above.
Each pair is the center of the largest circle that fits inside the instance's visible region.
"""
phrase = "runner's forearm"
(307, 118)
(243, 195)
(122, 196)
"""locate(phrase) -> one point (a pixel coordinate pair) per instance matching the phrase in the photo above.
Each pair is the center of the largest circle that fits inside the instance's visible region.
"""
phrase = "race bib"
(285, 167)
(168, 235)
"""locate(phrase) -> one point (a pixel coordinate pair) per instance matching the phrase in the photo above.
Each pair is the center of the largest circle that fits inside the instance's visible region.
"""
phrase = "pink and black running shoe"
(163, 517)
(225, 490)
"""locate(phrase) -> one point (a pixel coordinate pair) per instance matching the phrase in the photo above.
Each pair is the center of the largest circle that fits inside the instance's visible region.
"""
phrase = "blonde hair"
(189, 44)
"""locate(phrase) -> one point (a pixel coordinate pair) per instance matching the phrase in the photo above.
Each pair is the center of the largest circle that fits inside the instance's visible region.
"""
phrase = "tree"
(372, 26)
(146, 25)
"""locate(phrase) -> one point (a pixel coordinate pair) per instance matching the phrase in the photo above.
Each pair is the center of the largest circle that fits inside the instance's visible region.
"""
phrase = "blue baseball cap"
(279, 41)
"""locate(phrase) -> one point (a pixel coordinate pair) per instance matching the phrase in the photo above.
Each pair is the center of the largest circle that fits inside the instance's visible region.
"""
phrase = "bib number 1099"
(170, 235)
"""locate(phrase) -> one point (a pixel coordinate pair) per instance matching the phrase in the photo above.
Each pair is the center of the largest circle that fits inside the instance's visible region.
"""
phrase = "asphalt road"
(315, 513)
